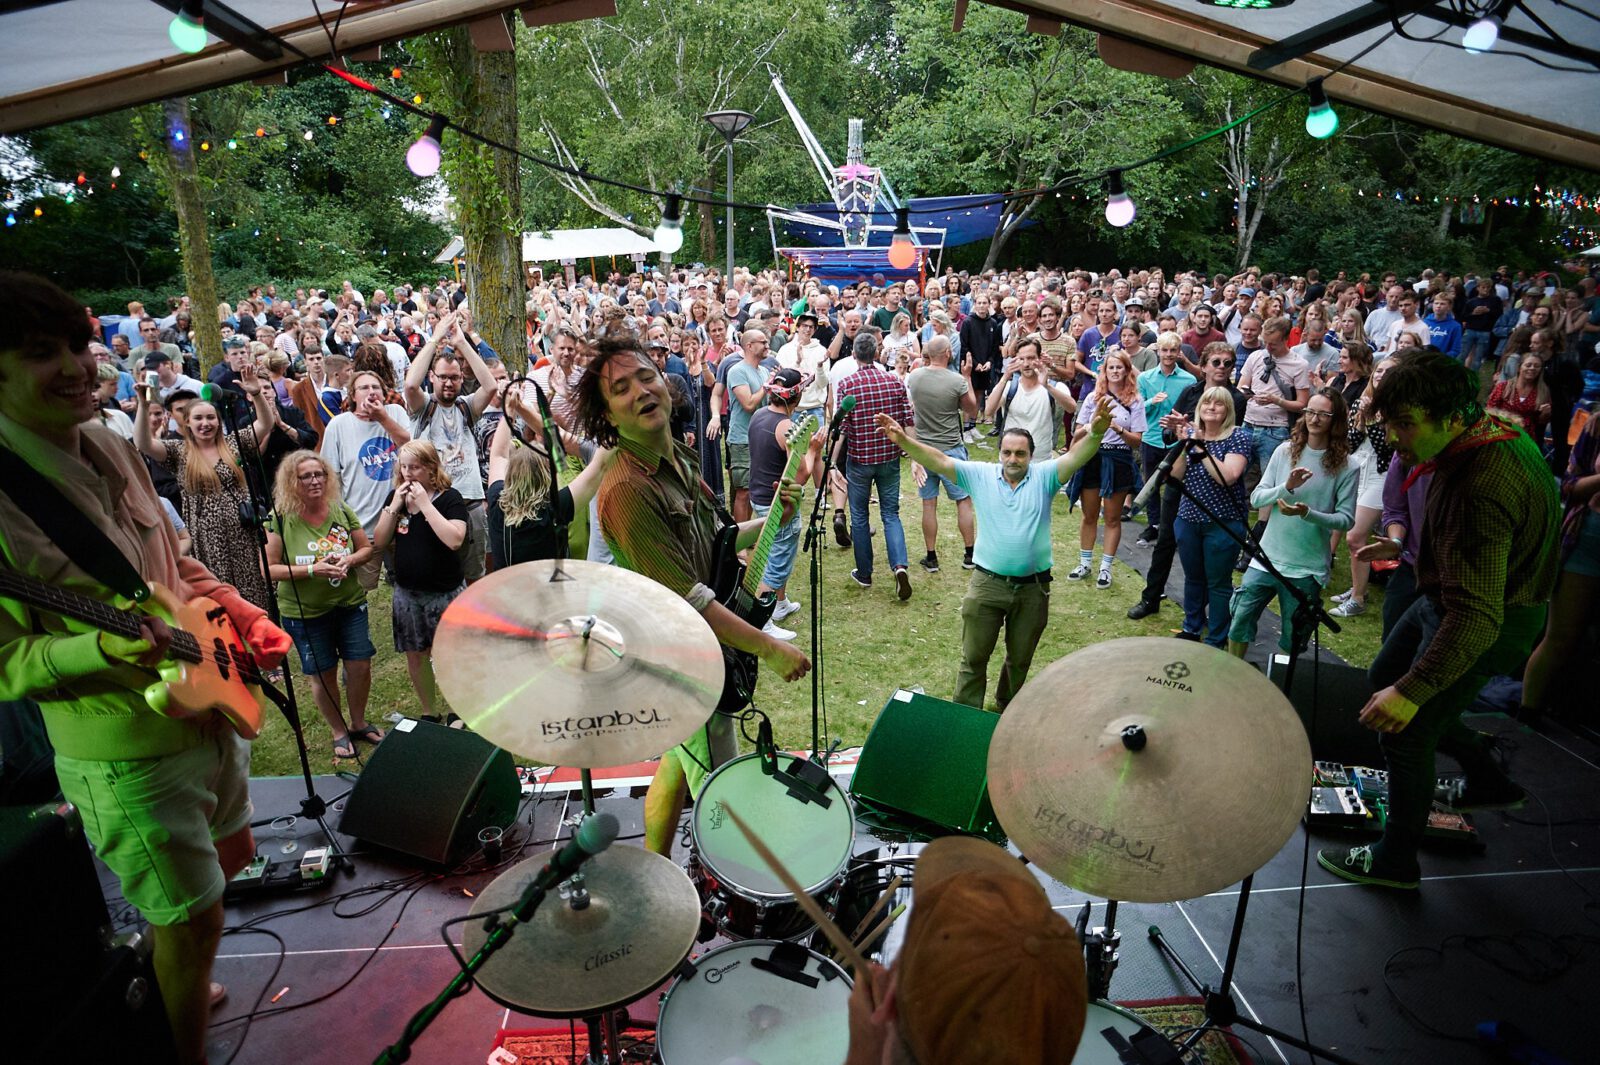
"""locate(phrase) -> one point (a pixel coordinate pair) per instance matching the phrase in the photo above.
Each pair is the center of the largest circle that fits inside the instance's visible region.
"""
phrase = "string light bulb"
(232, 144)
(1480, 37)
(1120, 210)
(902, 252)
(426, 153)
(116, 171)
(1322, 121)
(669, 233)
(187, 30)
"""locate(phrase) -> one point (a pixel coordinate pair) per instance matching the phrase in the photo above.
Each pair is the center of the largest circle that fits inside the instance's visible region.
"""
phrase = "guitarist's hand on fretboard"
(147, 651)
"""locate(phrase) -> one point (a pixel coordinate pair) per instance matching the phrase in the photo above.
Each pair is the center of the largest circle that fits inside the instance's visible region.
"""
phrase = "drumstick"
(877, 907)
(847, 951)
(882, 927)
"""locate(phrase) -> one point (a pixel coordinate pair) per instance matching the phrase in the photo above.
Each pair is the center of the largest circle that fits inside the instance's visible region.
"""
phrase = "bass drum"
(760, 1001)
(1095, 1048)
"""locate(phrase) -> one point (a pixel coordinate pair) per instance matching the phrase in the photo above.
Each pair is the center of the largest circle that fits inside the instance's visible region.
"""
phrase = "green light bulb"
(186, 34)
(1322, 121)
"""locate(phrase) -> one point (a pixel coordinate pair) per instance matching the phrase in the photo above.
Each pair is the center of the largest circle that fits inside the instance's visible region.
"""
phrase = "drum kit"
(1145, 770)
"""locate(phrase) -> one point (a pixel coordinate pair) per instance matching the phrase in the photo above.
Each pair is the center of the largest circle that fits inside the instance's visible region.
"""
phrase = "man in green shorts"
(164, 800)
(660, 520)
(1011, 583)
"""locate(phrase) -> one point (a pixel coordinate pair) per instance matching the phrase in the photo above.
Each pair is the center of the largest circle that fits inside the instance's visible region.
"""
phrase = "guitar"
(208, 667)
(738, 585)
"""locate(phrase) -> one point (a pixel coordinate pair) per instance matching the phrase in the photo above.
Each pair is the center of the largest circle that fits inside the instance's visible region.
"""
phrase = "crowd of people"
(341, 439)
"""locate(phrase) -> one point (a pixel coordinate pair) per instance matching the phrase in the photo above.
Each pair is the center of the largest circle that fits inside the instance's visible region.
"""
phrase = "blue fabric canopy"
(962, 222)
(841, 265)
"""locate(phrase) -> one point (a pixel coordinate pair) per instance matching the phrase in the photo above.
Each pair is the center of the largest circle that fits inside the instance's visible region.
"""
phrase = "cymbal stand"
(1220, 1009)
(1101, 949)
(604, 1037)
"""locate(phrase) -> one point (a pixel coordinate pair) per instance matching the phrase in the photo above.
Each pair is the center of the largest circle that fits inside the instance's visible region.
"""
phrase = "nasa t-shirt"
(364, 455)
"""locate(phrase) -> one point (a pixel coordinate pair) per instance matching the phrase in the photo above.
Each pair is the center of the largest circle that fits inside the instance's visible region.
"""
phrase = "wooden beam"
(492, 34)
(365, 55)
(558, 11)
(1182, 30)
(1047, 27)
(961, 20)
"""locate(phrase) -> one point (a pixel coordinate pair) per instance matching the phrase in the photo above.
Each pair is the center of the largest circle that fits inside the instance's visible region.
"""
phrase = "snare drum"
(1094, 1048)
(742, 897)
(760, 1001)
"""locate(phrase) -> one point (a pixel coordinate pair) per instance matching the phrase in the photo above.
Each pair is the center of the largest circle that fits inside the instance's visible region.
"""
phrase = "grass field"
(873, 643)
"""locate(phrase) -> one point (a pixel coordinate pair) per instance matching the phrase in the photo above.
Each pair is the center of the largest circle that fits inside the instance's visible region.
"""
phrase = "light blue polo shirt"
(1152, 383)
(1013, 523)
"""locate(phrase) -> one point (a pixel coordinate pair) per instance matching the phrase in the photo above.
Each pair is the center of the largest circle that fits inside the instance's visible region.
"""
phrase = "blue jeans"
(1266, 439)
(780, 560)
(340, 635)
(1475, 345)
(1208, 554)
(861, 477)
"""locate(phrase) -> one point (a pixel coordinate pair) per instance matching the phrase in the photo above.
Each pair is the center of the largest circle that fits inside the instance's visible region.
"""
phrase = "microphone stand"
(1220, 1009)
(312, 807)
(813, 544)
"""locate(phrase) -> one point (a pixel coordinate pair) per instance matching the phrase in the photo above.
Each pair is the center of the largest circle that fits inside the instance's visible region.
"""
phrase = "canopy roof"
(560, 244)
(963, 219)
(1495, 97)
(853, 264)
(61, 60)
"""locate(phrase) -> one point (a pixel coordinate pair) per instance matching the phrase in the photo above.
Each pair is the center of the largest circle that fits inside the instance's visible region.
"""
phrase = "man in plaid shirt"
(1486, 567)
(874, 459)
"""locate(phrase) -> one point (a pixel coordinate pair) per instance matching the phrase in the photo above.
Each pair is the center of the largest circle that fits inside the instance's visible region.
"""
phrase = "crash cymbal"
(640, 923)
(1205, 787)
(577, 664)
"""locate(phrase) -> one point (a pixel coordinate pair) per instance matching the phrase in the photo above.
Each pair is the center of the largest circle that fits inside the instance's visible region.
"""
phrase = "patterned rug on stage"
(556, 1046)
(1170, 1016)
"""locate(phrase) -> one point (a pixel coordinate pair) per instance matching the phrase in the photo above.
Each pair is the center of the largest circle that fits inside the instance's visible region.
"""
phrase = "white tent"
(1591, 253)
(560, 244)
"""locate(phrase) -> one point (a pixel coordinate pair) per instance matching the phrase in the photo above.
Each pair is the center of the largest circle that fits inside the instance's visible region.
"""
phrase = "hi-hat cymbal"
(640, 923)
(1214, 791)
(577, 664)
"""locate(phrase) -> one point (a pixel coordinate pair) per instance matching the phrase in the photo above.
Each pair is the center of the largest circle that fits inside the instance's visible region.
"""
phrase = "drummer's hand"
(870, 1015)
(787, 660)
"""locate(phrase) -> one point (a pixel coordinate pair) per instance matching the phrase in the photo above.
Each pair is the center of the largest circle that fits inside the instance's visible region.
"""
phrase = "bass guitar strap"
(78, 537)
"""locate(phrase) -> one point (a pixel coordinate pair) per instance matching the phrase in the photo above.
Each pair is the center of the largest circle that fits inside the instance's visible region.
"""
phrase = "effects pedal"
(1339, 808)
(1373, 784)
(1330, 774)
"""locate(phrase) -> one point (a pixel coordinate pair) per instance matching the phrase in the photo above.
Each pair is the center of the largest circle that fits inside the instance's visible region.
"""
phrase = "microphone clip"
(803, 778)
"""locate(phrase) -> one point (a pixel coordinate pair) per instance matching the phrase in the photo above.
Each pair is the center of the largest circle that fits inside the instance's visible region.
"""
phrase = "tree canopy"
(989, 109)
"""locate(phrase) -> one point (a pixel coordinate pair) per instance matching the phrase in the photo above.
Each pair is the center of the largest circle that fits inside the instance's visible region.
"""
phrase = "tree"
(1000, 109)
(486, 184)
(176, 168)
(623, 97)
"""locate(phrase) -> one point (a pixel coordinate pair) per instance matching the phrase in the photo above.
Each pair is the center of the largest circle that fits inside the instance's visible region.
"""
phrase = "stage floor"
(355, 969)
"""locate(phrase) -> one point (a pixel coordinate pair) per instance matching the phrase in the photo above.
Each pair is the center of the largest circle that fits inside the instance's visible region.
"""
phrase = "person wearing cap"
(806, 355)
(988, 972)
(168, 379)
(769, 454)
(1201, 333)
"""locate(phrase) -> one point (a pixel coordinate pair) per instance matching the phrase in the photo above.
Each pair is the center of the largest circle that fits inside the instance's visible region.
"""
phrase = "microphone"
(211, 392)
(597, 832)
(1160, 475)
(846, 405)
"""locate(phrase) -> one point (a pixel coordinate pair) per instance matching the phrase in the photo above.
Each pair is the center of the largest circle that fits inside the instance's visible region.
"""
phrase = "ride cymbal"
(640, 923)
(577, 664)
(1149, 770)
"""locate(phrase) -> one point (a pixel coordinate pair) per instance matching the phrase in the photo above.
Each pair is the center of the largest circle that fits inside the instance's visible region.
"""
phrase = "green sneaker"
(1355, 865)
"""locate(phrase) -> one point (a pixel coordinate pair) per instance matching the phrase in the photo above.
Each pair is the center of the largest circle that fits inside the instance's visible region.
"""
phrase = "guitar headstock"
(801, 431)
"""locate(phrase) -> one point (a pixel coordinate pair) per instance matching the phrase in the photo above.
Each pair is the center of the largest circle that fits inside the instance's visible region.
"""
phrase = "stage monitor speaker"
(1341, 691)
(928, 759)
(427, 791)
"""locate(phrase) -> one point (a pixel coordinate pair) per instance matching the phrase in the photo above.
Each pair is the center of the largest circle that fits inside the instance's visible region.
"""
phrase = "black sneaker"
(966, 560)
(1355, 864)
(930, 562)
(992, 432)
(1148, 537)
(902, 584)
(841, 531)
(1461, 795)
(1142, 609)
(865, 582)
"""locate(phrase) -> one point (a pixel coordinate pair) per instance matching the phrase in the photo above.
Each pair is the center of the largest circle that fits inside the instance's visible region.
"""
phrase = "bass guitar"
(737, 584)
(208, 668)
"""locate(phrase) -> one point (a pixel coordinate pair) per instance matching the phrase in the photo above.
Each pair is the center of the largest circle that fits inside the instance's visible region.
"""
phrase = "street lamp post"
(730, 124)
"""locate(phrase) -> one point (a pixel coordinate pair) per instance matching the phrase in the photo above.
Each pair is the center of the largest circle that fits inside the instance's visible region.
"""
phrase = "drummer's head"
(989, 971)
(622, 394)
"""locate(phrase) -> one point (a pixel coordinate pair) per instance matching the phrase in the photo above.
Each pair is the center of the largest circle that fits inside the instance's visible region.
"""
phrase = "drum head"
(1093, 1048)
(813, 842)
(732, 1011)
